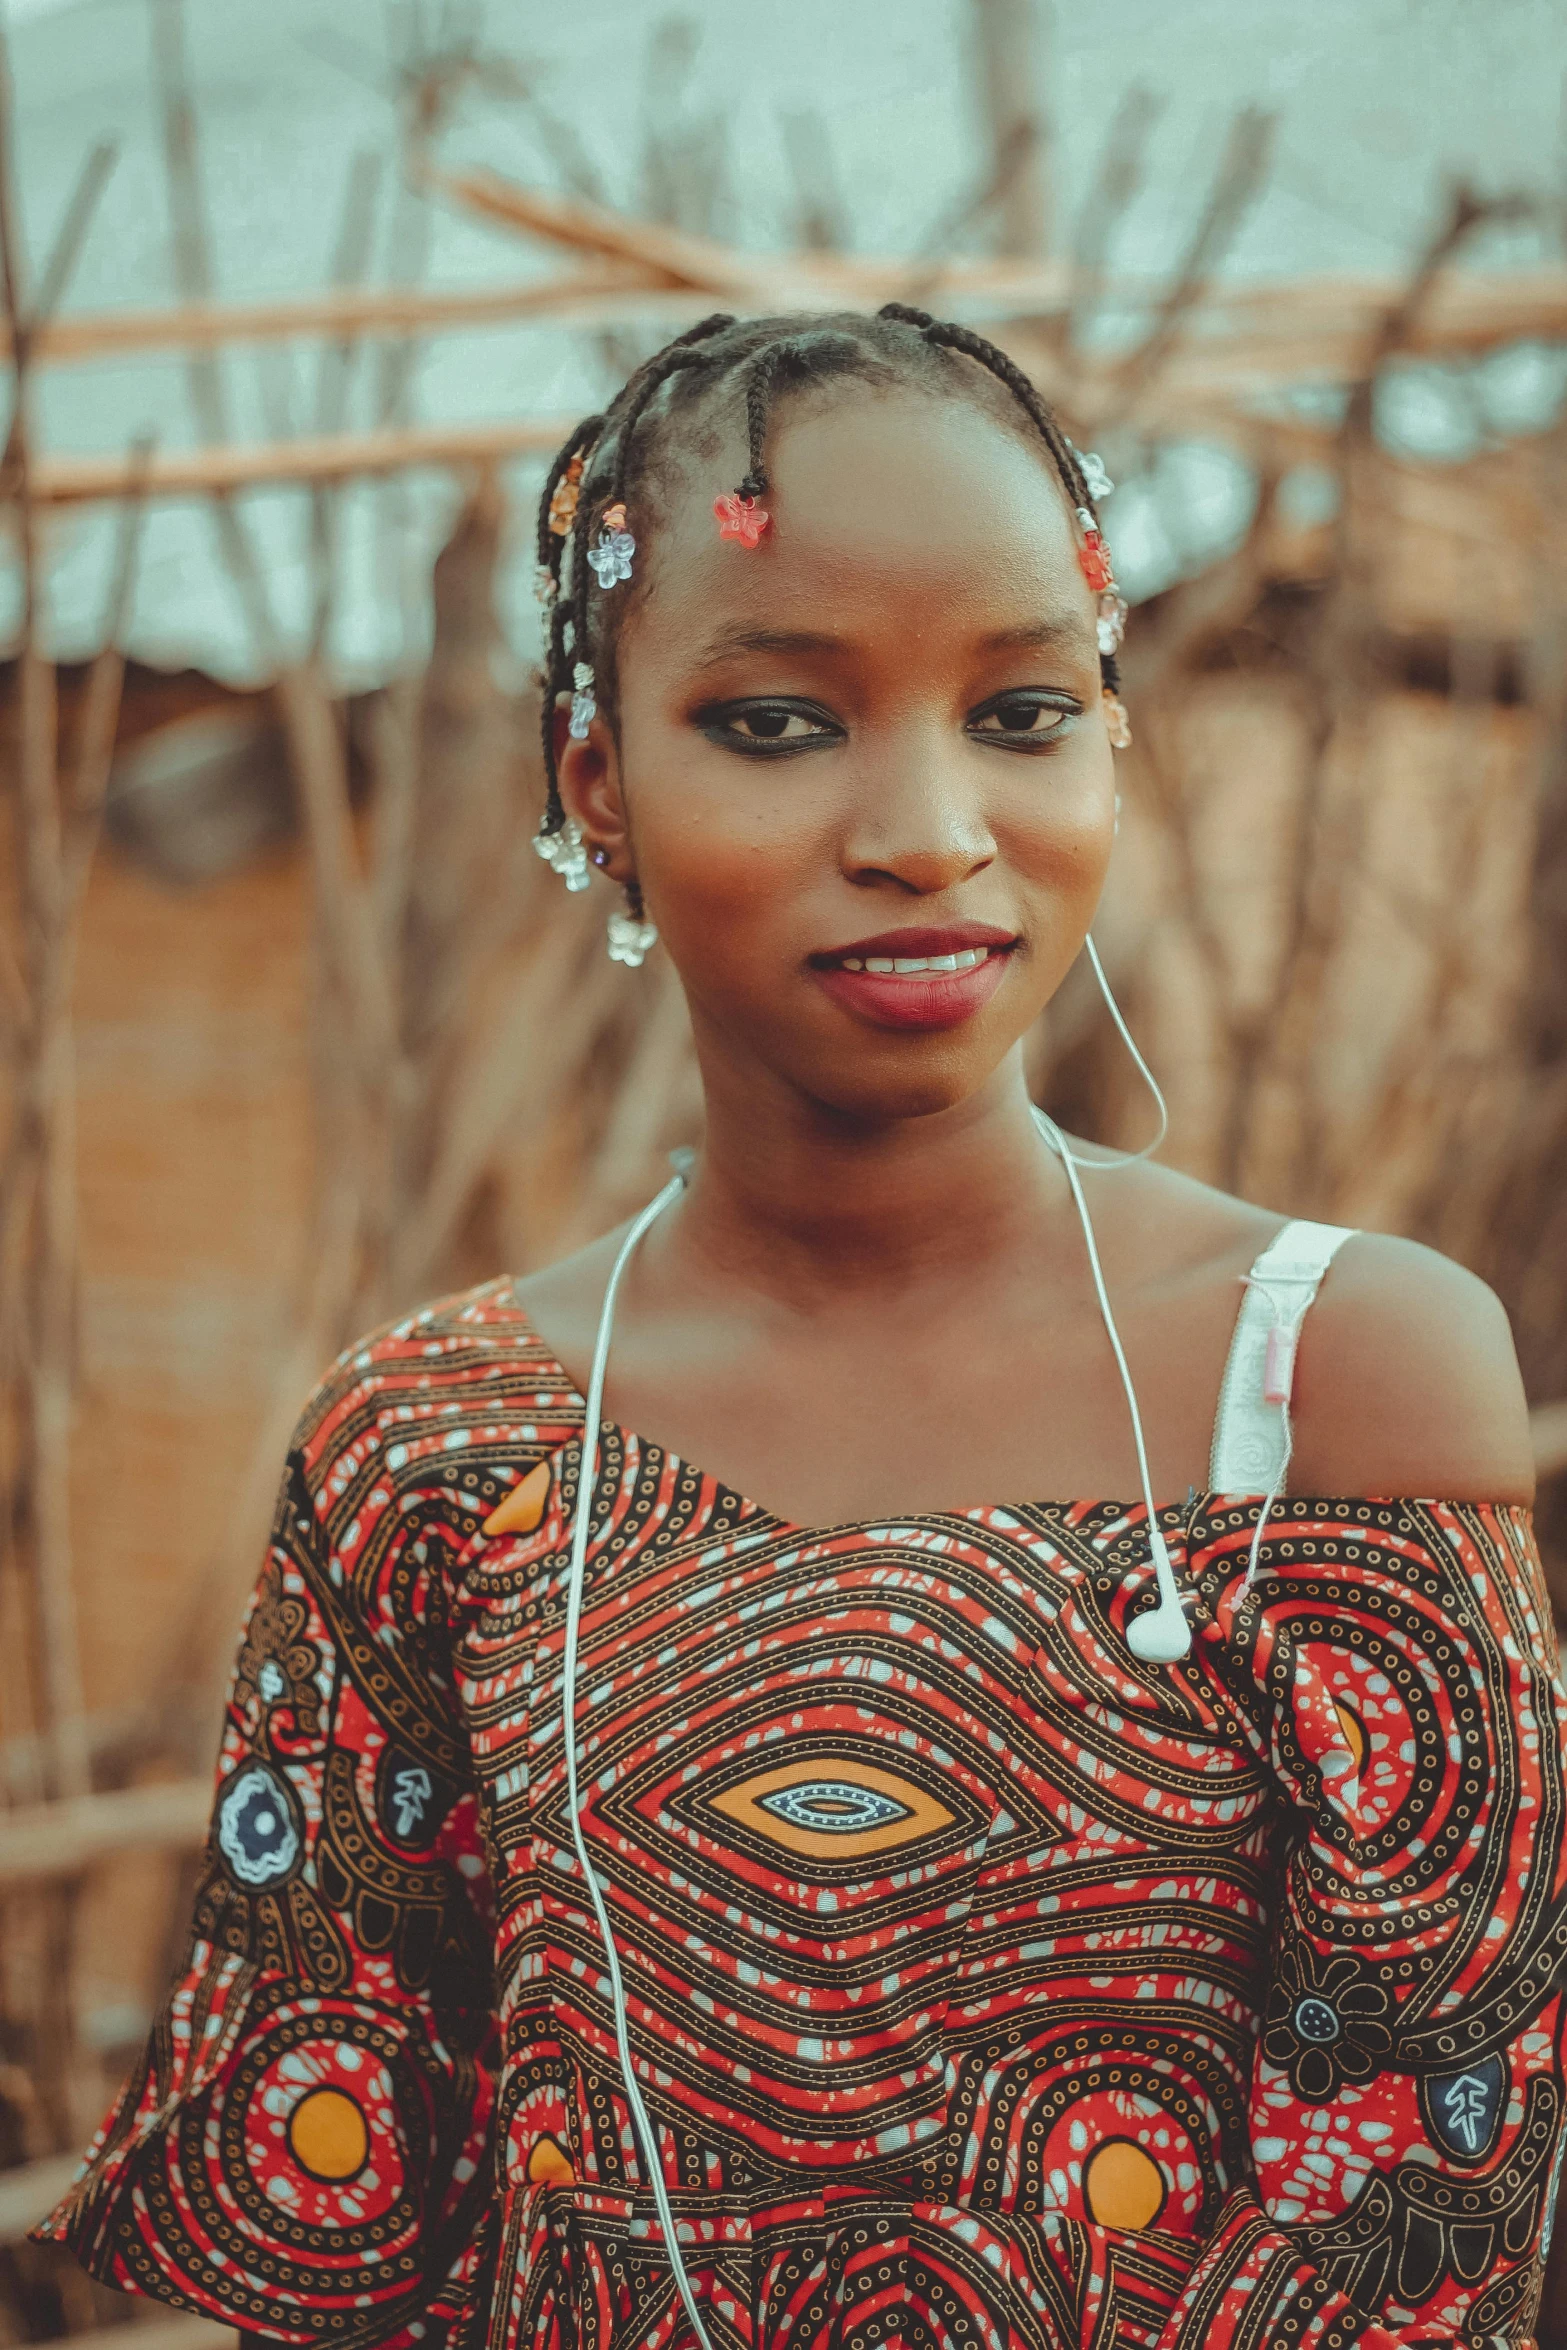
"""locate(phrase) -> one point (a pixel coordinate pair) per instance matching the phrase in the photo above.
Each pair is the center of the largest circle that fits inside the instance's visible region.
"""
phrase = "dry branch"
(220, 471)
(1548, 1430)
(47, 1841)
(29, 2195)
(1283, 331)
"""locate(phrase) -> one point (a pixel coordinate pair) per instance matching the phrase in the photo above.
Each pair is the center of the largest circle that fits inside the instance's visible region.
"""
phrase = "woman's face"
(875, 739)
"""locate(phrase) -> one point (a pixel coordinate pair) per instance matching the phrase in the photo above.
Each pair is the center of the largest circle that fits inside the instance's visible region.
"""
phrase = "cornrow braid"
(943, 335)
(761, 375)
(623, 450)
(569, 632)
(579, 442)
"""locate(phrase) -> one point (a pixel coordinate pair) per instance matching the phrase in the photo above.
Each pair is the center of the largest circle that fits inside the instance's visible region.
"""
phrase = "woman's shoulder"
(1406, 1381)
(422, 1377)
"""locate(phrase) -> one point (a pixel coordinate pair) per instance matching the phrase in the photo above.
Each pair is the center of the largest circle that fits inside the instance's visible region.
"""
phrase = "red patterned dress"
(990, 1991)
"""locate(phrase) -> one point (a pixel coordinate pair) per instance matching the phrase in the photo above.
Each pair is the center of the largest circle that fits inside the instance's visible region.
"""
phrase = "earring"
(631, 934)
(564, 852)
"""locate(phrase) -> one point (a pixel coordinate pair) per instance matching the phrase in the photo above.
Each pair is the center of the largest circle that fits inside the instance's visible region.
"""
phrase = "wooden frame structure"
(1219, 356)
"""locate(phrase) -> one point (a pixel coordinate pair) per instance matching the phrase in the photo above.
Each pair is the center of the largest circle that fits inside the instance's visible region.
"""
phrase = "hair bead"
(741, 518)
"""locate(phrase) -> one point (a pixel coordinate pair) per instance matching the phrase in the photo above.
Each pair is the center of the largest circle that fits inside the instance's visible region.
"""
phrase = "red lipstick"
(922, 977)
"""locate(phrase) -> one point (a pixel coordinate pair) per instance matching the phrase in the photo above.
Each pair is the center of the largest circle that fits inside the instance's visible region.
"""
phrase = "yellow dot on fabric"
(1354, 1735)
(328, 2135)
(549, 2165)
(1122, 2186)
(523, 1507)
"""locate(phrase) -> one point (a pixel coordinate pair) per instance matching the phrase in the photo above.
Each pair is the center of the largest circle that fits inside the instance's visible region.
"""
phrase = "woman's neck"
(803, 1205)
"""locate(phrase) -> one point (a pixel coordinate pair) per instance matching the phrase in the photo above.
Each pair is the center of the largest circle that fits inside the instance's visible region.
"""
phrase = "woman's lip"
(913, 999)
(950, 938)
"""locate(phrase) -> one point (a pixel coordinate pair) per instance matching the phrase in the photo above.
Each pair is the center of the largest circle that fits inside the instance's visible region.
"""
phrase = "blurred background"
(296, 1032)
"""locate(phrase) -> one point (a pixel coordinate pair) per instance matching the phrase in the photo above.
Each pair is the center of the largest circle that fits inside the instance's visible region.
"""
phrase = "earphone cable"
(642, 2121)
(1163, 1636)
(1128, 1158)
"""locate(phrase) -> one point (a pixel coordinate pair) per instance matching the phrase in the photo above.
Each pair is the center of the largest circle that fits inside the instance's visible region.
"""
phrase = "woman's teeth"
(903, 964)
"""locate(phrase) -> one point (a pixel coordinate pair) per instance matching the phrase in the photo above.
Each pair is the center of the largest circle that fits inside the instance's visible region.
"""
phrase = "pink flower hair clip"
(741, 518)
(1094, 556)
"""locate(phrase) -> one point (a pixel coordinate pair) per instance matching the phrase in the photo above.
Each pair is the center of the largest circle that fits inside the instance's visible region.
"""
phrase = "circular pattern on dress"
(1122, 2186)
(259, 1830)
(311, 2122)
(328, 2135)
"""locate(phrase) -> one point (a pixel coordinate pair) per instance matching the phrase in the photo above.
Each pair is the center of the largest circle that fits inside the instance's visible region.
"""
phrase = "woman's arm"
(303, 2149)
(1396, 1662)
(1408, 1383)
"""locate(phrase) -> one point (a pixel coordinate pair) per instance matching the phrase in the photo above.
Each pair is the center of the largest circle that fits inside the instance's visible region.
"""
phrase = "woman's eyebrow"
(1066, 635)
(765, 640)
(1069, 634)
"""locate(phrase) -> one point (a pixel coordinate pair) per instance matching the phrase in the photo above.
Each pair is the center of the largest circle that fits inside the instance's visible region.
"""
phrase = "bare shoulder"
(1408, 1382)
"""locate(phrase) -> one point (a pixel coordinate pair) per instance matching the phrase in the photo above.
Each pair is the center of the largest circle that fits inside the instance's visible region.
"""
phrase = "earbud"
(1162, 1636)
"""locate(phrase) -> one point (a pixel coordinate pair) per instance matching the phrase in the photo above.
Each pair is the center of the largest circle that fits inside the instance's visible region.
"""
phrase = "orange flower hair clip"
(563, 505)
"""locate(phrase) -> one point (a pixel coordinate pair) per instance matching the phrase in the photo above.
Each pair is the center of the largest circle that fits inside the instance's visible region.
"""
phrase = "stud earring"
(630, 933)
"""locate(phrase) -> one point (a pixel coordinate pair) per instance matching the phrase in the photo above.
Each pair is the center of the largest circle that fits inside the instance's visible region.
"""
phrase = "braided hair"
(616, 460)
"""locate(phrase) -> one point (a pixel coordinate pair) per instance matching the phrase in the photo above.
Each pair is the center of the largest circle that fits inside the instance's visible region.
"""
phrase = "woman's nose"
(920, 825)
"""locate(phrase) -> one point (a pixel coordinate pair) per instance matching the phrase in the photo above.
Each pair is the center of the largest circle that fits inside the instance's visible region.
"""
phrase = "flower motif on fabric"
(611, 558)
(740, 518)
(1328, 2022)
(279, 1665)
(259, 1832)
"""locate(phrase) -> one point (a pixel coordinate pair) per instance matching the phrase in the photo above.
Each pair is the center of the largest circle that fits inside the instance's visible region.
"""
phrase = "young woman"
(871, 1821)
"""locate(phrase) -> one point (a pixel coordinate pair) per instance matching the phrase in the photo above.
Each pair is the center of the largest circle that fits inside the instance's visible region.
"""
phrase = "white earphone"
(1159, 1635)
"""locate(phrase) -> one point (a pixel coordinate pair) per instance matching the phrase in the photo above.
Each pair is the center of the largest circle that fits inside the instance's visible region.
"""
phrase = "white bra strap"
(1251, 1427)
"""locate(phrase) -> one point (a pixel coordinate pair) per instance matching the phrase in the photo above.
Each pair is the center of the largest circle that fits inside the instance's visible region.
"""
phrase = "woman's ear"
(589, 772)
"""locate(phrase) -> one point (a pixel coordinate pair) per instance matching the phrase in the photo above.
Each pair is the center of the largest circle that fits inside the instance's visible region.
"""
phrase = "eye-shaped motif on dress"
(833, 1808)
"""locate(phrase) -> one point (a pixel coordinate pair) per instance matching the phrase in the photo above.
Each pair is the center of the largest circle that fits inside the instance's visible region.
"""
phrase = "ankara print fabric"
(990, 1990)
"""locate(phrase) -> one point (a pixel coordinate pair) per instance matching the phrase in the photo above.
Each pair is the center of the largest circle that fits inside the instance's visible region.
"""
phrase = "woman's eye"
(766, 726)
(1021, 717)
(773, 726)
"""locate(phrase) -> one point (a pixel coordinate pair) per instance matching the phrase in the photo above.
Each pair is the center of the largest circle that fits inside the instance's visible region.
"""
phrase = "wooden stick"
(342, 893)
(44, 1841)
(667, 256)
(1007, 38)
(1548, 1431)
(1236, 183)
(91, 181)
(185, 473)
(38, 1194)
(29, 2195)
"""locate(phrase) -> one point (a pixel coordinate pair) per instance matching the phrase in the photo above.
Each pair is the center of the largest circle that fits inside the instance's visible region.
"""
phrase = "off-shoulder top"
(989, 1989)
